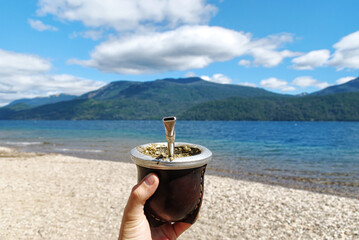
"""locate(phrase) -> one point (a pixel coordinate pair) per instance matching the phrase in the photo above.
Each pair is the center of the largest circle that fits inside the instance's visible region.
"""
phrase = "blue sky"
(74, 46)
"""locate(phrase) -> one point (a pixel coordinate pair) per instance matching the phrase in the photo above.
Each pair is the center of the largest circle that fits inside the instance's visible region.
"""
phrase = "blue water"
(320, 156)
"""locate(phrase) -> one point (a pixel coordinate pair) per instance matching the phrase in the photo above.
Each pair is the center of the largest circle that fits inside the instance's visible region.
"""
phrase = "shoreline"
(296, 182)
(307, 184)
(53, 196)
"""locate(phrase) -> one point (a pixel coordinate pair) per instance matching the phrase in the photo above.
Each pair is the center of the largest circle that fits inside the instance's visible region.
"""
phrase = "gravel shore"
(50, 196)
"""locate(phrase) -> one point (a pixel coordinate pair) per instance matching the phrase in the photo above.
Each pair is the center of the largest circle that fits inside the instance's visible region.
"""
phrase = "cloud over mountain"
(275, 83)
(164, 37)
(308, 81)
(218, 78)
(302, 82)
(344, 80)
(26, 75)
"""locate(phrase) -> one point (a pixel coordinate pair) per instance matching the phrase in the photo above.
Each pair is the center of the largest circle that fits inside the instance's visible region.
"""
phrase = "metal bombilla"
(169, 123)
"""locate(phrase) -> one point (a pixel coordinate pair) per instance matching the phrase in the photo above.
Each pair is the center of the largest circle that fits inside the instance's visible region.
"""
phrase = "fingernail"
(150, 179)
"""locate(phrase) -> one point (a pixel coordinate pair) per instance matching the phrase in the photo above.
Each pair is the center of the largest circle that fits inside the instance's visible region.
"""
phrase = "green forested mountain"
(38, 101)
(195, 99)
(335, 107)
(110, 91)
(137, 100)
(178, 90)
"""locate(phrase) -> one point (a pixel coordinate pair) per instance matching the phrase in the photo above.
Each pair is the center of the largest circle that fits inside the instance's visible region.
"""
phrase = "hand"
(134, 222)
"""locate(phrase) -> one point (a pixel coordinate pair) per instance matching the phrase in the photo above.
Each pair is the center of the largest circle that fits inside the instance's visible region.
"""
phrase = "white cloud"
(247, 84)
(190, 74)
(27, 76)
(218, 78)
(265, 51)
(129, 14)
(270, 58)
(187, 47)
(91, 34)
(40, 26)
(322, 85)
(288, 89)
(147, 44)
(244, 62)
(305, 81)
(311, 60)
(346, 54)
(17, 63)
(153, 48)
(308, 81)
(275, 83)
(344, 80)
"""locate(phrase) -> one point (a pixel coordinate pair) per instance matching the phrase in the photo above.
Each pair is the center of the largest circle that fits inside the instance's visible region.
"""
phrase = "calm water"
(321, 156)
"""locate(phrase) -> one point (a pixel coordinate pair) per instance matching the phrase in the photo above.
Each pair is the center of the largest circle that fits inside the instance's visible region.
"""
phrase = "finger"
(140, 193)
(180, 227)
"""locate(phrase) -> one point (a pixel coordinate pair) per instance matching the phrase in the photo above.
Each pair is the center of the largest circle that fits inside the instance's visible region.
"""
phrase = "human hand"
(134, 222)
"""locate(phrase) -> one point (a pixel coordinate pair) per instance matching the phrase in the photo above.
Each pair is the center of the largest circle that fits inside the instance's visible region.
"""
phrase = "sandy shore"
(59, 197)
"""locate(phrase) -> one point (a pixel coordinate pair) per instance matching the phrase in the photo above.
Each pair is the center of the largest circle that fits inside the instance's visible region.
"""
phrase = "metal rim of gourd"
(147, 161)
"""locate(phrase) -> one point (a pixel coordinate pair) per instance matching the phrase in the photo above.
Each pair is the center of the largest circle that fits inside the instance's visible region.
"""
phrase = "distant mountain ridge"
(196, 99)
(137, 100)
(109, 91)
(38, 101)
(188, 89)
(351, 86)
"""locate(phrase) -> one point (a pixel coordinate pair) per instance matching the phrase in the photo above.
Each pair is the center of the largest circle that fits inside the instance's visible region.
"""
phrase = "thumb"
(134, 223)
(140, 193)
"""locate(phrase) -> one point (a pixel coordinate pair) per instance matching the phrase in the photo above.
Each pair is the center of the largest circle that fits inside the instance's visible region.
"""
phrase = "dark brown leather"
(178, 197)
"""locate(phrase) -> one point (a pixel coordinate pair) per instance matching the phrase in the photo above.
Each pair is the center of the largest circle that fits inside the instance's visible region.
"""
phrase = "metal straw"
(169, 123)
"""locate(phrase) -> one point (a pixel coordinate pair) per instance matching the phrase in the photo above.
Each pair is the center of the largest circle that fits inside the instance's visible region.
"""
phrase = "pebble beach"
(53, 196)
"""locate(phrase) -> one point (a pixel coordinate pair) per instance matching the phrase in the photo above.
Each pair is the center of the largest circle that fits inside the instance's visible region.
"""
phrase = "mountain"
(184, 89)
(25, 103)
(138, 100)
(351, 86)
(111, 90)
(196, 99)
(334, 107)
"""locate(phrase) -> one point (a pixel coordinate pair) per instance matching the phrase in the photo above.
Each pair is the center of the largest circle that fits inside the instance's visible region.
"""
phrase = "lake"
(319, 156)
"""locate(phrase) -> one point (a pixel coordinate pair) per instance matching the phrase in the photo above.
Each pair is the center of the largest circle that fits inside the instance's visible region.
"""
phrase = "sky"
(75, 46)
